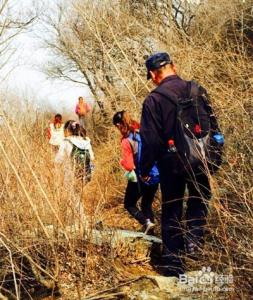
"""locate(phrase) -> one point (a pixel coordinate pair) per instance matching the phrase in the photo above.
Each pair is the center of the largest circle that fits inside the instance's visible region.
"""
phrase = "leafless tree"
(12, 23)
(103, 45)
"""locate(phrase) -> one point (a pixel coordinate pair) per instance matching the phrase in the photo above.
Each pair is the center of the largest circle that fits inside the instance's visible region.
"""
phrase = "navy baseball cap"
(157, 61)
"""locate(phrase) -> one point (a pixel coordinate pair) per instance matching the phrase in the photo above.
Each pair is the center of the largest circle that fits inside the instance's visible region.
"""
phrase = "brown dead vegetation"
(106, 45)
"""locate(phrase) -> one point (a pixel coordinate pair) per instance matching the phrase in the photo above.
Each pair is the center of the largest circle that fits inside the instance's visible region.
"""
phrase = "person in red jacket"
(135, 187)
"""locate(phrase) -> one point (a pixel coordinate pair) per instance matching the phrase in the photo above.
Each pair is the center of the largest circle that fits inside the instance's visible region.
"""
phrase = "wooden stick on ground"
(103, 292)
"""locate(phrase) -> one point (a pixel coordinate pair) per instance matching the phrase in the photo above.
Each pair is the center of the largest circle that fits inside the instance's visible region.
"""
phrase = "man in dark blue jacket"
(157, 128)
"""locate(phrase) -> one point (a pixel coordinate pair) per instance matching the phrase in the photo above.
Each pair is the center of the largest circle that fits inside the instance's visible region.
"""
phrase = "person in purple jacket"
(157, 129)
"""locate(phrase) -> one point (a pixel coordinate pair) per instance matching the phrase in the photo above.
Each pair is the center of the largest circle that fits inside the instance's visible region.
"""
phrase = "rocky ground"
(199, 284)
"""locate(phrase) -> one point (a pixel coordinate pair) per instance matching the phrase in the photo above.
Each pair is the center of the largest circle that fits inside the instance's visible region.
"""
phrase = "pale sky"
(27, 79)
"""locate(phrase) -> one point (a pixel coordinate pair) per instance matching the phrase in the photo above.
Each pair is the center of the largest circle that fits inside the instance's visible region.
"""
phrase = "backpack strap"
(194, 89)
(133, 141)
(167, 94)
(191, 89)
(69, 141)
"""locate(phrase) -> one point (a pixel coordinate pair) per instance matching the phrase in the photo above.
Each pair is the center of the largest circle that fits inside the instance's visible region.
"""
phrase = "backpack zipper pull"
(197, 129)
(171, 146)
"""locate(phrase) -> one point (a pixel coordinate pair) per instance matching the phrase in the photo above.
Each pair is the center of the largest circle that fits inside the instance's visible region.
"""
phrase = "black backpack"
(197, 140)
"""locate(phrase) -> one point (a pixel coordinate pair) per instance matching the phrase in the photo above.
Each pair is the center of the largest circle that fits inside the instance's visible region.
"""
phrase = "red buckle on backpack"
(171, 142)
(197, 129)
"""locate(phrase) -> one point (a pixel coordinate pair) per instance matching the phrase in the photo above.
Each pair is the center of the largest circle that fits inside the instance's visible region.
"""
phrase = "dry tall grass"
(217, 51)
(40, 248)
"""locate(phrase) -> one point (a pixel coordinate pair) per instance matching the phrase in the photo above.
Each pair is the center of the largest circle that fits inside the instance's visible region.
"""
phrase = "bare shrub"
(108, 44)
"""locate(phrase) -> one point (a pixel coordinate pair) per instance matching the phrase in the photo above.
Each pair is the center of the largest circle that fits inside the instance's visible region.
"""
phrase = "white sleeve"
(64, 151)
(92, 157)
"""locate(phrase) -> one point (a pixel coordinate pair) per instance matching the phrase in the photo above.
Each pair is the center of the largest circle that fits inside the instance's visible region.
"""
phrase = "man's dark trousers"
(173, 188)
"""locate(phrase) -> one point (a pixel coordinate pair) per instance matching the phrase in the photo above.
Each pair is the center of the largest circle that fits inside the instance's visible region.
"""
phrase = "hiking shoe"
(170, 272)
(170, 265)
(148, 227)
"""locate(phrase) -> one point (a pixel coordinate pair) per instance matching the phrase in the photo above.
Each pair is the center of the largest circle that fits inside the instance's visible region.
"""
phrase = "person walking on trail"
(75, 155)
(55, 131)
(76, 152)
(82, 109)
(131, 147)
(158, 123)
